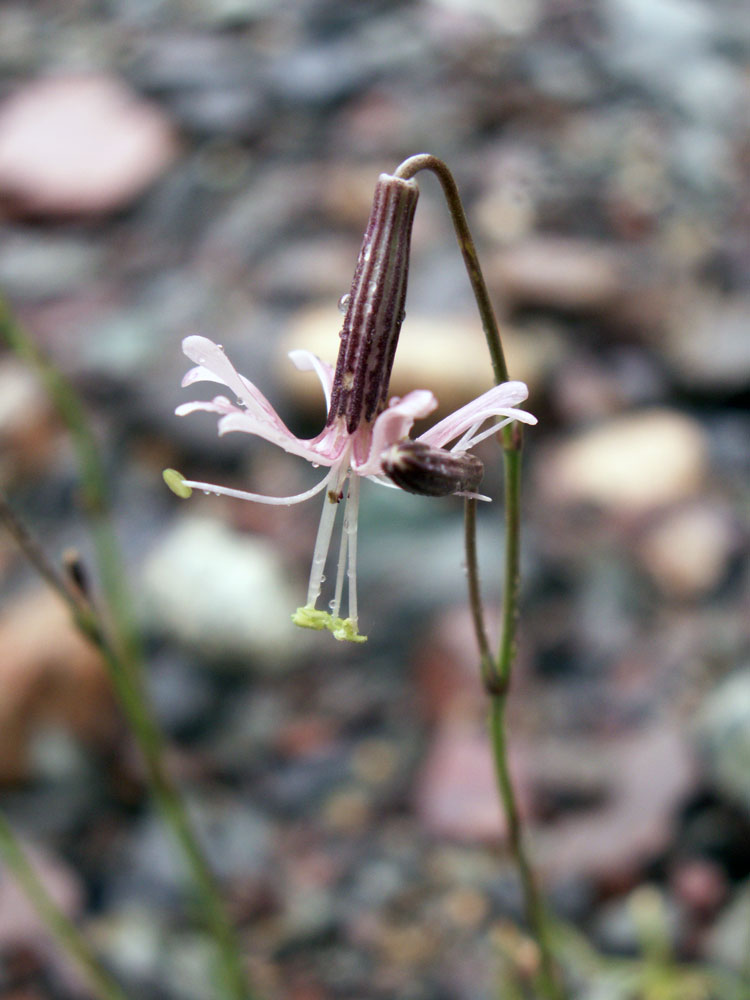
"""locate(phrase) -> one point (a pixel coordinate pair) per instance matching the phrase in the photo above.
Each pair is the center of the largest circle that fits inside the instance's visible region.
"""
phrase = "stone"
(560, 273)
(723, 735)
(38, 266)
(446, 354)
(28, 425)
(50, 676)
(20, 925)
(79, 145)
(631, 820)
(628, 465)
(221, 594)
(688, 551)
(456, 793)
(727, 940)
(707, 341)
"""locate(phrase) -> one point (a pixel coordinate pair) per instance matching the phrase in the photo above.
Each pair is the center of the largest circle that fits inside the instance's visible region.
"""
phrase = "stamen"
(255, 497)
(335, 480)
(350, 532)
(336, 606)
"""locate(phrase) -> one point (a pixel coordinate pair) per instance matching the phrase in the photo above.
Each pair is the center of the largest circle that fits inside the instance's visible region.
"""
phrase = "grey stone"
(221, 594)
(723, 732)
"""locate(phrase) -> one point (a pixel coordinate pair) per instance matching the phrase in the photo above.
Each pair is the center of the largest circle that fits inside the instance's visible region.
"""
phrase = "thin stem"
(425, 161)
(487, 665)
(94, 487)
(151, 744)
(63, 929)
(122, 657)
(497, 673)
(533, 904)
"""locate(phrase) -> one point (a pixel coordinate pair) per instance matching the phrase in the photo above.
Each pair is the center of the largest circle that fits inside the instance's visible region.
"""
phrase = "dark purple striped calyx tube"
(375, 309)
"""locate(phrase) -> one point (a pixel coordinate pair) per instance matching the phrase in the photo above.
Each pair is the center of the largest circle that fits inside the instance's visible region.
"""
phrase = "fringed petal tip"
(343, 629)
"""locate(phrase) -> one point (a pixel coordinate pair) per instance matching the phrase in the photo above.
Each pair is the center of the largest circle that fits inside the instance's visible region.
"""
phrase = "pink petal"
(392, 425)
(215, 366)
(306, 361)
(277, 433)
(496, 402)
(219, 404)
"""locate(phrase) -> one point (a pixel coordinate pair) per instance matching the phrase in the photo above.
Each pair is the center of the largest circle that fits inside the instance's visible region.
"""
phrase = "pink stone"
(456, 794)
(79, 145)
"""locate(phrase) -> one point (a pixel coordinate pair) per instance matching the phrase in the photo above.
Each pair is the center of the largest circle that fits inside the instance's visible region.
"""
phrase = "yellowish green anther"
(310, 617)
(176, 482)
(343, 629)
(346, 631)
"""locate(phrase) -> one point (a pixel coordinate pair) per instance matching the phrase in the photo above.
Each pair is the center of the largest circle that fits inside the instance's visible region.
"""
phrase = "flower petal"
(496, 402)
(277, 433)
(219, 404)
(215, 366)
(392, 425)
(306, 361)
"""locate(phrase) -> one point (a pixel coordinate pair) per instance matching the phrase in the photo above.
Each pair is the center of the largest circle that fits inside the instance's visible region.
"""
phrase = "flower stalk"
(497, 670)
(121, 652)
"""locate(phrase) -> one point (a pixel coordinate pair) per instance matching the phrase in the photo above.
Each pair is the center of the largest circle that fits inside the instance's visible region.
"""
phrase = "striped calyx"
(375, 308)
(433, 472)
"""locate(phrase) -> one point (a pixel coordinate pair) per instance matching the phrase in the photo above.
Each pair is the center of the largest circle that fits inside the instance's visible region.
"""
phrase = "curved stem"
(122, 655)
(425, 161)
(497, 672)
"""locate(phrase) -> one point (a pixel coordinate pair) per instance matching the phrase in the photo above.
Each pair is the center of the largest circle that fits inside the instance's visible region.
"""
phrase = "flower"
(364, 434)
(348, 455)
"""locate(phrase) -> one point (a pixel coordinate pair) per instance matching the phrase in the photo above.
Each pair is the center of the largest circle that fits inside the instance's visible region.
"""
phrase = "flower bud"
(375, 306)
(433, 472)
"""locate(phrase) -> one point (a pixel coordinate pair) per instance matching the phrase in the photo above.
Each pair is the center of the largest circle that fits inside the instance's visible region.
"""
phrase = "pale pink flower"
(346, 454)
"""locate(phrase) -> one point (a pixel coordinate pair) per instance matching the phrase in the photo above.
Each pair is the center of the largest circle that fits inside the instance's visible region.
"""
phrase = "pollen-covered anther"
(433, 472)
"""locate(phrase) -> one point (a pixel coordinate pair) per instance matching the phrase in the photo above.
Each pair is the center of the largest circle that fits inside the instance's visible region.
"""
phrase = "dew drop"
(207, 493)
(344, 302)
(332, 603)
(315, 465)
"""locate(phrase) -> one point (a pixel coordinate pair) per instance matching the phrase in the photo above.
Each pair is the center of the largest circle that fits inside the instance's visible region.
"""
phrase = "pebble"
(688, 551)
(707, 342)
(631, 820)
(629, 465)
(727, 941)
(115, 145)
(446, 354)
(28, 426)
(49, 676)
(35, 267)
(455, 791)
(19, 922)
(221, 594)
(559, 273)
(723, 734)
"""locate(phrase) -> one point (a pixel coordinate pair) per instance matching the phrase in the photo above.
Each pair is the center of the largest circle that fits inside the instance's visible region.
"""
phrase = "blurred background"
(170, 167)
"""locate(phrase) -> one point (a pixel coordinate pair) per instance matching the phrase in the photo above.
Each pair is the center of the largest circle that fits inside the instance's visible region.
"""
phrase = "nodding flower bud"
(375, 308)
(433, 472)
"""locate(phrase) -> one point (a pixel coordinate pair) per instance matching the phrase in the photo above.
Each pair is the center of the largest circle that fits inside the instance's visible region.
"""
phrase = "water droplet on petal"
(344, 302)
(315, 465)
(332, 603)
(207, 493)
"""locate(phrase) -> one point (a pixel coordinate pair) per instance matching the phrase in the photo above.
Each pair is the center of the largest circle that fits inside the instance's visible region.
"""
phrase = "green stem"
(497, 673)
(122, 658)
(94, 486)
(63, 929)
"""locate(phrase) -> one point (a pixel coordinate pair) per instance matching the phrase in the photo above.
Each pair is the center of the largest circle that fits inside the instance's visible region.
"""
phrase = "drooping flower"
(364, 435)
